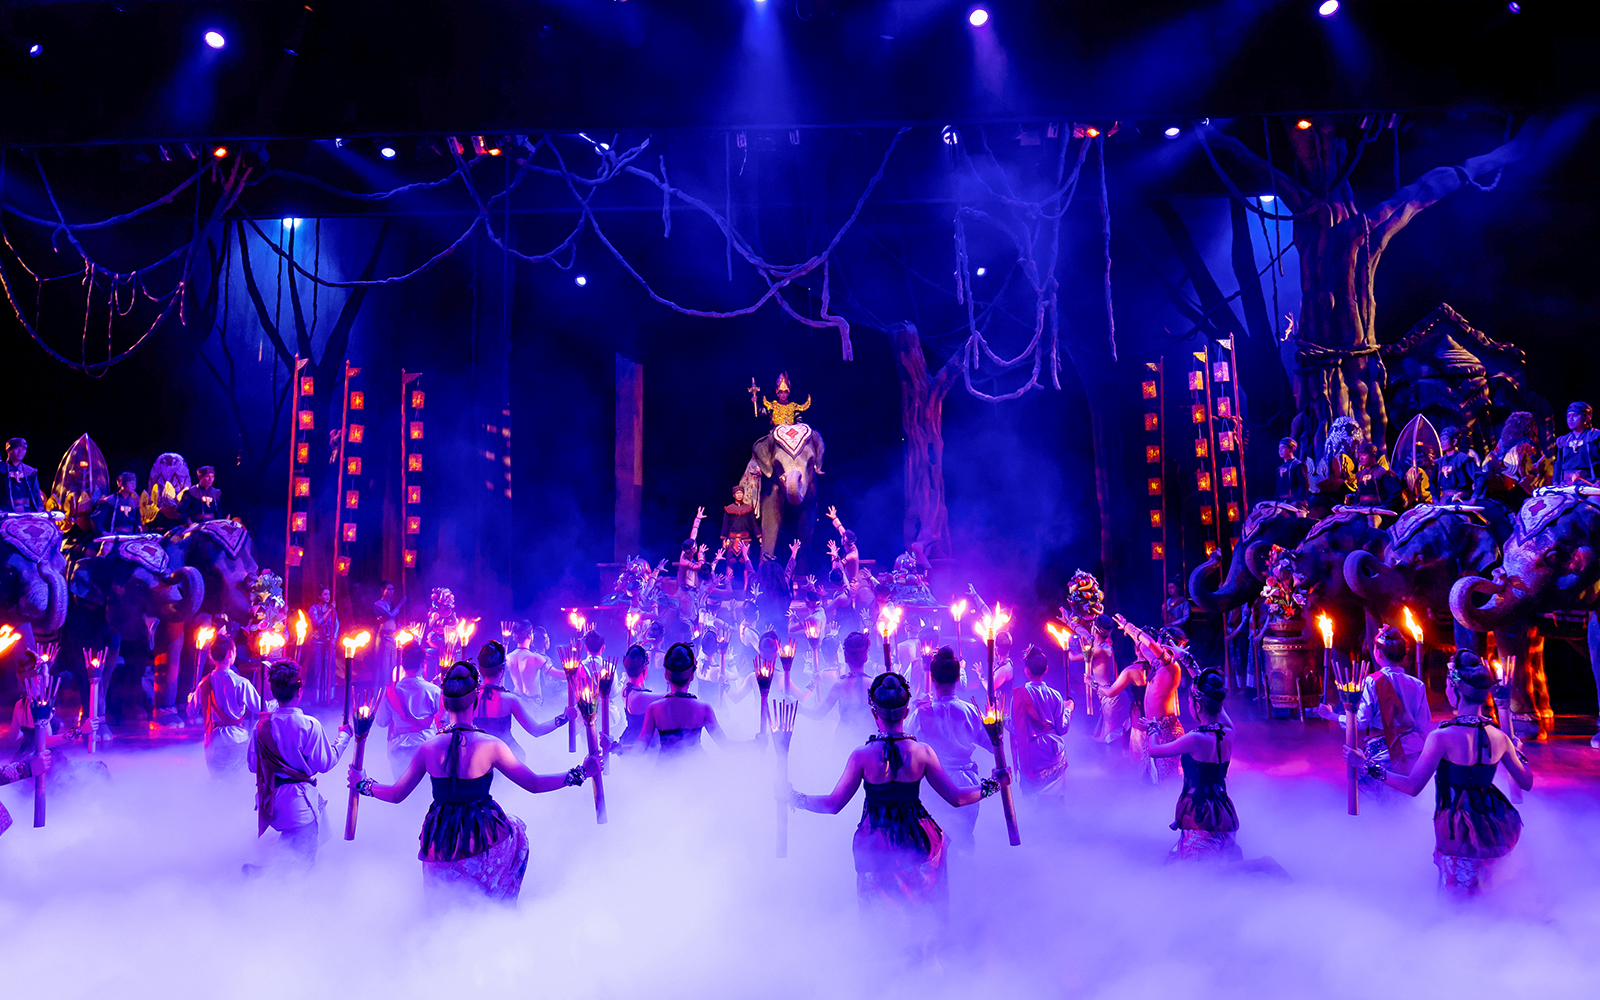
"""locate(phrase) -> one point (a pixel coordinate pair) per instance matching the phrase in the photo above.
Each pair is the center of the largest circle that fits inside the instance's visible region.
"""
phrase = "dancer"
(636, 698)
(1114, 719)
(468, 841)
(407, 709)
(1205, 818)
(953, 728)
(324, 636)
(525, 665)
(1040, 717)
(230, 705)
(387, 612)
(288, 752)
(899, 850)
(498, 705)
(1456, 471)
(849, 691)
(1394, 701)
(1473, 823)
(677, 719)
(17, 771)
(1161, 674)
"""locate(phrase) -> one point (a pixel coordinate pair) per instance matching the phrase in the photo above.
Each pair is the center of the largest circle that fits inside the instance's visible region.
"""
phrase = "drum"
(1286, 658)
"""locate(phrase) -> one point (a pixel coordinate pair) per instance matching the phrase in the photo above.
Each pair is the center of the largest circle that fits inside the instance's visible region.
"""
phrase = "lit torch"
(351, 644)
(586, 706)
(203, 636)
(8, 638)
(363, 726)
(786, 657)
(569, 665)
(1415, 628)
(994, 723)
(958, 610)
(1063, 637)
(633, 623)
(888, 624)
(577, 621)
(300, 625)
(814, 639)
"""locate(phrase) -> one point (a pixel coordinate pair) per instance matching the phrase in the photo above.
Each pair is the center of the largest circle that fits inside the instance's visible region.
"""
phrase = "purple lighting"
(978, 18)
(1328, 8)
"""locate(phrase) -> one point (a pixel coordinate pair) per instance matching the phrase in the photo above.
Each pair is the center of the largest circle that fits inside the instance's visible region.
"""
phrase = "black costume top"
(1454, 476)
(117, 515)
(1204, 804)
(1376, 487)
(463, 820)
(1471, 817)
(1577, 458)
(22, 490)
(1294, 482)
(738, 521)
(200, 504)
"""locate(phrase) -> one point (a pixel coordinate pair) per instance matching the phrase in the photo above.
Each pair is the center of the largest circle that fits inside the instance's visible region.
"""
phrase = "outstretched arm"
(1421, 770)
(398, 791)
(842, 792)
(507, 764)
(533, 726)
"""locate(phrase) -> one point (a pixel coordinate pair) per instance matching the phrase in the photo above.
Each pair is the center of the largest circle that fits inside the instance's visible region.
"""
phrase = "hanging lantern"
(342, 565)
(1224, 407)
(1225, 441)
(1149, 390)
(1210, 548)
(1201, 448)
(1197, 381)
(1152, 453)
(413, 494)
(1207, 516)
(1230, 476)
(1154, 485)
(1233, 512)
(417, 399)
(1155, 519)
(1202, 481)
(357, 432)
(296, 553)
(1219, 371)
(416, 430)
(308, 420)
(413, 462)
(1158, 551)
(410, 558)
(302, 486)
(302, 452)
(308, 386)
(350, 531)
(1151, 421)
(358, 400)
(1197, 413)
(352, 500)
(413, 525)
(352, 466)
(297, 522)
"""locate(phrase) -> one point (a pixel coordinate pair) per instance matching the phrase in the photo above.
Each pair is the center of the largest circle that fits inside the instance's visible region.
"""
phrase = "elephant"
(1549, 563)
(122, 587)
(789, 459)
(1318, 562)
(1271, 523)
(1430, 547)
(33, 580)
(224, 554)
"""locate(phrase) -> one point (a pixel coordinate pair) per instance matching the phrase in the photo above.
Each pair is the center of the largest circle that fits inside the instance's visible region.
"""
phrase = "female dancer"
(467, 839)
(1205, 818)
(1473, 823)
(849, 690)
(677, 719)
(899, 850)
(636, 698)
(498, 705)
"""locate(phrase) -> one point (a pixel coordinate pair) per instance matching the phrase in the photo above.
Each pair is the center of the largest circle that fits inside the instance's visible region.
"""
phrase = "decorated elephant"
(1550, 563)
(1318, 562)
(1429, 548)
(33, 581)
(1271, 523)
(123, 587)
(225, 556)
(789, 460)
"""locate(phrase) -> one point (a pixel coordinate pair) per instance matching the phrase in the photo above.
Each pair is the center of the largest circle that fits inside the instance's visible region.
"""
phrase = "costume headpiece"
(783, 382)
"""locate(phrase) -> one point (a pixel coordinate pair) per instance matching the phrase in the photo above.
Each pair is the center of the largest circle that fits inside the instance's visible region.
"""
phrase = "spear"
(783, 731)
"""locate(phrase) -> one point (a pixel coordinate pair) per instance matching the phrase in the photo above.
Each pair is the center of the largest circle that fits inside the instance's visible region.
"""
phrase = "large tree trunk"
(927, 522)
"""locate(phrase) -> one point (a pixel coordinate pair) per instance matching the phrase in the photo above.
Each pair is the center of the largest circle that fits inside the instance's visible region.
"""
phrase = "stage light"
(1092, 132)
(293, 224)
(1514, 7)
(1268, 197)
(580, 281)
(982, 271)
(1303, 124)
(1172, 132)
(1328, 8)
(387, 152)
(950, 136)
(215, 39)
(220, 152)
(36, 50)
(978, 18)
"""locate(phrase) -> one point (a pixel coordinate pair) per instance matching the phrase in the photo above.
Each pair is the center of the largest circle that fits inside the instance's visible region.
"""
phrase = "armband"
(1377, 772)
(574, 778)
(364, 786)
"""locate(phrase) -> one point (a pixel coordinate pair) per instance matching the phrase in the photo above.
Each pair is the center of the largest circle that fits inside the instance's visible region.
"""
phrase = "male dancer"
(953, 727)
(288, 752)
(1040, 716)
(407, 709)
(229, 704)
(849, 692)
(1394, 701)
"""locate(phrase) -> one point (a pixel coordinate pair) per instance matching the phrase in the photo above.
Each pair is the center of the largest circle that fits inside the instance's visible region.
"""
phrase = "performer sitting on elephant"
(118, 514)
(1294, 482)
(1516, 467)
(1334, 477)
(782, 412)
(1456, 471)
(23, 495)
(203, 502)
(1376, 483)
(1577, 458)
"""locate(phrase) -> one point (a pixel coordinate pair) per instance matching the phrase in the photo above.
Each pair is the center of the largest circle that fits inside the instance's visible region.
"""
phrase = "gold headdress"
(783, 382)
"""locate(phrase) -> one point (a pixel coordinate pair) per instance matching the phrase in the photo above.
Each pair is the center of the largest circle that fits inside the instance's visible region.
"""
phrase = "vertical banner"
(347, 502)
(412, 401)
(1228, 432)
(305, 421)
(1155, 463)
(1205, 451)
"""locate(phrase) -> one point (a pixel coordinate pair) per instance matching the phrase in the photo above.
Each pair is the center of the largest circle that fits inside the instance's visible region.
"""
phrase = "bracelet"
(16, 772)
(560, 720)
(1377, 771)
(364, 786)
(987, 787)
(797, 800)
(574, 778)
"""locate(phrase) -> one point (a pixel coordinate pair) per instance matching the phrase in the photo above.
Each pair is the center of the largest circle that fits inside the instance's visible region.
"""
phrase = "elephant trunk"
(794, 487)
(1506, 604)
(185, 591)
(1239, 587)
(55, 607)
(1374, 581)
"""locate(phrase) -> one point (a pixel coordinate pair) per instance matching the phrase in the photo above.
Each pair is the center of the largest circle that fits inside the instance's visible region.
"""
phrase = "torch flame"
(266, 642)
(1059, 634)
(403, 638)
(576, 620)
(633, 621)
(8, 637)
(1499, 670)
(465, 629)
(355, 642)
(889, 620)
(1325, 626)
(300, 628)
(364, 712)
(957, 609)
(203, 636)
(787, 652)
(1412, 625)
(812, 631)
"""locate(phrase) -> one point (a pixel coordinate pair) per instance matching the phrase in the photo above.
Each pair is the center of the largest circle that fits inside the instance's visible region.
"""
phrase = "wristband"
(574, 778)
(364, 787)
(797, 800)
(987, 787)
(1377, 772)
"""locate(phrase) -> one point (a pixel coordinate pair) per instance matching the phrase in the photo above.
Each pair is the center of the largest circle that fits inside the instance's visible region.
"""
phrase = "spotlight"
(35, 50)
(1172, 132)
(1267, 197)
(1303, 124)
(215, 39)
(982, 271)
(950, 136)
(387, 152)
(580, 281)
(292, 223)
(220, 152)
(1514, 7)
(978, 18)
(1328, 8)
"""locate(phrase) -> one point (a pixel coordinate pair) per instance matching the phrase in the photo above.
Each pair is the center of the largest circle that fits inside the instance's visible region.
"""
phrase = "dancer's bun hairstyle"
(635, 661)
(284, 679)
(1468, 669)
(679, 662)
(1389, 645)
(1210, 689)
(946, 669)
(459, 685)
(890, 696)
(492, 658)
(1035, 662)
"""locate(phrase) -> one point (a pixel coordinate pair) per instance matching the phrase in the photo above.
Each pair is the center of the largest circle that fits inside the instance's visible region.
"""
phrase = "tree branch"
(1286, 187)
(282, 349)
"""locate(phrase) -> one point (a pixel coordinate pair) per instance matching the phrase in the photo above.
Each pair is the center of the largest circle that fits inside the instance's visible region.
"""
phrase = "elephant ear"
(88, 579)
(761, 452)
(817, 459)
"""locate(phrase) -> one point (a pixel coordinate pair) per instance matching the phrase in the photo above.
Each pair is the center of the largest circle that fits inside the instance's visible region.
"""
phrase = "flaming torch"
(8, 638)
(958, 610)
(888, 624)
(1504, 674)
(632, 621)
(402, 638)
(586, 706)
(1063, 636)
(40, 691)
(603, 680)
(1325, 626)
(300, 626)
(987, 628)
(577, 621)
(351, 644)
(94, 661)
(786, 658)
(1415, 628)
(814, 639)
(764, 682)
(203, 637)
(569, 665)
(994, 723)
(782, 732)
(362, 726)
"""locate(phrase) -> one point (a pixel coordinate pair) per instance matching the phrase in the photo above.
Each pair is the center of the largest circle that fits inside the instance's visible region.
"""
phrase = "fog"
(134, 889)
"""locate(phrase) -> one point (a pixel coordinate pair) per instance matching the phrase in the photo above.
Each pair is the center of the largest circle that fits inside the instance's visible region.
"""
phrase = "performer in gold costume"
(782, 412)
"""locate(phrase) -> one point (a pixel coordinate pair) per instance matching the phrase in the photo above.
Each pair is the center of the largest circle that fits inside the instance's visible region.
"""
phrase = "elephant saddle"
(791, 436)
(1422, 515)
(34, 535)
(1266, 510)
(1550, 503)
(230, 535)
(1341, 515)
(144, 551)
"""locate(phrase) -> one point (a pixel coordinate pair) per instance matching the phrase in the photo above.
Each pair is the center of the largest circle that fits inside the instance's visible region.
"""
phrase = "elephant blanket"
(230, 535)
(34, 535)
(144, 551)
(1424, 514)
(791, 436)
(1550, 503)
(1266, 510)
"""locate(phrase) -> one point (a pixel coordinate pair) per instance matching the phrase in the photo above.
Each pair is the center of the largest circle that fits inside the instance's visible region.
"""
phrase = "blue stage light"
(1328, 8)
(1268, 197)
(580, 281)
(36, 50)
(1514, 7)
(978, 18)
(387, 152)
(982, 271)
(215, 39)
(1172, 132)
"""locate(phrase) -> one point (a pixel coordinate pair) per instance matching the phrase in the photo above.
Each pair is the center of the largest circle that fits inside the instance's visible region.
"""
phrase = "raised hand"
(794, 548)
(700, 514)
(833, 513)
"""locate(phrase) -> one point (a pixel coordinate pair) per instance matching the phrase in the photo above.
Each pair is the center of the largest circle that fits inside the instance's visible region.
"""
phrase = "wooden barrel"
(1285, 659)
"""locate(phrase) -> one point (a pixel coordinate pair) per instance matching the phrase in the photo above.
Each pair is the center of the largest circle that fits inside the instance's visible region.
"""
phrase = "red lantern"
(413, 525)
(352, 500)
(417, 399)
(413, 494)
(350, 531)
(413, 462)
(358, 400)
